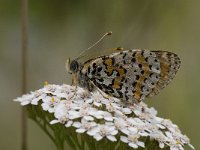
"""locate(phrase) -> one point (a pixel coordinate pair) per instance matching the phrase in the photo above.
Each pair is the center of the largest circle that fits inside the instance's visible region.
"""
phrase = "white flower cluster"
(101, 117)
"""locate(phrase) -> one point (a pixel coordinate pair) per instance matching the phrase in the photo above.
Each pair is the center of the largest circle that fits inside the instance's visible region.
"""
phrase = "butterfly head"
(72, 66)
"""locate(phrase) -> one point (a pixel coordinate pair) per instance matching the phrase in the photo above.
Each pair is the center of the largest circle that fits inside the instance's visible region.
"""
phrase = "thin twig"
(24, 13)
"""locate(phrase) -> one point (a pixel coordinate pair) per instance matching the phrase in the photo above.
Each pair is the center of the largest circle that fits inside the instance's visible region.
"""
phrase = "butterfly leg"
(74, 83)
(106, 96)
(75, 90)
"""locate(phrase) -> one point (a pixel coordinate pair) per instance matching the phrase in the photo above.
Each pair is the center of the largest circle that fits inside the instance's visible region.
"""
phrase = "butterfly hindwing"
(169, 64)
(132, 75)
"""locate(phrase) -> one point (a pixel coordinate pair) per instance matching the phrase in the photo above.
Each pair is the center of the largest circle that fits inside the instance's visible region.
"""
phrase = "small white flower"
(97, 104)
(49, 89)
(83, 111)
(186, 140)
(69, 123)
(61, 93)
(96, 113)
(54, 121)
(49, 103)
(83, 126)
(107, 116)
(168, 124)
(110, 107)
(143, 130)
(73, 114)
(174, 145)
(121, 124)
(126, 111)
(61, 113)
(25, 99)
(157, 121)
(97, 99)
(101, 131)
(132, 140)
(160, 137)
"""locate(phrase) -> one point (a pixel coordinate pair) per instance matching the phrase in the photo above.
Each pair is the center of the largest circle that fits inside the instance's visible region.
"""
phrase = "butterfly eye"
(74, 66)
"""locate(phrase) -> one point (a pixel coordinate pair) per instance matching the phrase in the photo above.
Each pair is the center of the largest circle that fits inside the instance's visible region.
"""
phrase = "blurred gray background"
(59, 29)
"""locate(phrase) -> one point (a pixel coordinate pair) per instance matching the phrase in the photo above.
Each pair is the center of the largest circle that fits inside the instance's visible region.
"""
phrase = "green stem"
(45, 130)
(82, 142)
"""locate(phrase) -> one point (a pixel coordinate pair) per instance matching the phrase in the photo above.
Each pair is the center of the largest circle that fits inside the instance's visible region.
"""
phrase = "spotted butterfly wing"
(132, 75)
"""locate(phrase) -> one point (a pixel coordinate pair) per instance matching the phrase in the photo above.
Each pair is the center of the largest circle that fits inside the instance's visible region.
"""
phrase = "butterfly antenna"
(108, 33)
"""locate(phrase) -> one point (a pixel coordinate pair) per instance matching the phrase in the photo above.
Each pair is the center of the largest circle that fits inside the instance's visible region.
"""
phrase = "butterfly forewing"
(132, 75)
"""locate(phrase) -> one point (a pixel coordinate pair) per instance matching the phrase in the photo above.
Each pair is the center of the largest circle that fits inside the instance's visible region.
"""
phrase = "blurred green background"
(59, 29)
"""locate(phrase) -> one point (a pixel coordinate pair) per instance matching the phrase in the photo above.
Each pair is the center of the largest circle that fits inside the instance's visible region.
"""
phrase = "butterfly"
(129, 75)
